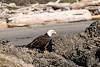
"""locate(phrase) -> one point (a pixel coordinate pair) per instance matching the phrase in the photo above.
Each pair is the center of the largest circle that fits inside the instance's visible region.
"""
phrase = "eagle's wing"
(38, 42)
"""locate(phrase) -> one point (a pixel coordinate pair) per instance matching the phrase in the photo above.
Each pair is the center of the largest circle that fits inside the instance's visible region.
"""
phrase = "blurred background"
(25, 2)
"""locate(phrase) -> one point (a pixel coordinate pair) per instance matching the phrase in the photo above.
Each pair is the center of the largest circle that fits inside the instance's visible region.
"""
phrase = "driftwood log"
(83, 4)
(55, 17)
(23, 17)
(96, 17)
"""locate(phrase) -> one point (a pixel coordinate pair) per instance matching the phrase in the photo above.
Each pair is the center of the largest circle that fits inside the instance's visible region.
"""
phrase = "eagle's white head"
(50, 32)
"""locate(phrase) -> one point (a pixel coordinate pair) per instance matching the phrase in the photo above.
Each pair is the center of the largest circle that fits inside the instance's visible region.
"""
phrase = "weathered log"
(97, 2)
(83, 4)
(95, 17)
(55, 17)
(11, 25)
(68, 17)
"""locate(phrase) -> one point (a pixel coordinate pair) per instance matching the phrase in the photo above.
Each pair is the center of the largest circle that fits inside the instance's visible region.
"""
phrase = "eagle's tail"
(27, 46)
(21, 46)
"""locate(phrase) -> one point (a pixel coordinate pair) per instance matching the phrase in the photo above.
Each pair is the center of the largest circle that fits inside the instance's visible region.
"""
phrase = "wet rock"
(4, 42)
(86, 49)
(11, 61)
(35, 58)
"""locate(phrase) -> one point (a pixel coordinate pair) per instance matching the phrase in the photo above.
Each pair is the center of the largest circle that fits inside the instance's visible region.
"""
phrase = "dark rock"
(4, 42)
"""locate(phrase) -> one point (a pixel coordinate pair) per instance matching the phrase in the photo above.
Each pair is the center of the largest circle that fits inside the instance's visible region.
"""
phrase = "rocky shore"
(71, 50)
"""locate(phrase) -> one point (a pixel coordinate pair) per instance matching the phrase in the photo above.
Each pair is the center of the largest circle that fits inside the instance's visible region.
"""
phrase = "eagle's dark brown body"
(42, 42)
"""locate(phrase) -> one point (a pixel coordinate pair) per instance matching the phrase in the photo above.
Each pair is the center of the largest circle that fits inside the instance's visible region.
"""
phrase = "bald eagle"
(42, 42)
